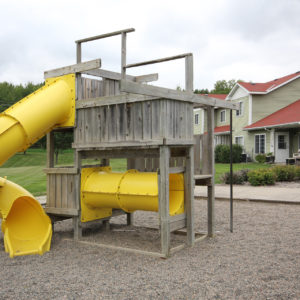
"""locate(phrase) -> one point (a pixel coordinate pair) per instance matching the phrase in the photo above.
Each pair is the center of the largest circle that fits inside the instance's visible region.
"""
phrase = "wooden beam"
(111, 100)
(211, 170)
(189, 73)
(118, 76)
(156, 61)
(146, 78)
(156, 91)
(106, 35)
(80, 67)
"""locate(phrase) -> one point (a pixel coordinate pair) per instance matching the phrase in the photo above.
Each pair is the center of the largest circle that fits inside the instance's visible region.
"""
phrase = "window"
(223, 115)
(281, 142)
(239, 140)
(196, 119)
(241, 110)
(260, 140)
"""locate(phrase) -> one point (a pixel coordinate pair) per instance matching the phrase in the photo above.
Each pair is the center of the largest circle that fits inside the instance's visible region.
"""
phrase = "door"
(282, 148)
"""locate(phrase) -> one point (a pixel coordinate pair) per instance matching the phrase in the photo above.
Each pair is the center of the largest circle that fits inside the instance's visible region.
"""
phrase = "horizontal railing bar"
(156, 61)
(102, 36)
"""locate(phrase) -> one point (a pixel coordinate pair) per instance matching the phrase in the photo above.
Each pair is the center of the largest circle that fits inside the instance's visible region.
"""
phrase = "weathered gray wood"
(150, 90)
(50, 150)
(80, 67)
(78, 75)
(189, 195)
(176, 170)
(146, 78)
(197, 155)
(163, 185)
(76, 198)
(65, 170)
(189, 73)
(118, 76)
(129, 219)
(61, 211)
(159, 60)
(106, 35)
(211, 168)
(123, 55)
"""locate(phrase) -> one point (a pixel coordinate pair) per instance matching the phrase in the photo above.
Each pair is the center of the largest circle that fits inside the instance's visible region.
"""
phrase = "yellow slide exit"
(26, 227)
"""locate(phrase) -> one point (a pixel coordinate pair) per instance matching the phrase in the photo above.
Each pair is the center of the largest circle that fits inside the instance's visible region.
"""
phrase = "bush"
(238, 177)
(284, 173)
(261, 177)
(222, 153)
(260, 158)
(297, 173)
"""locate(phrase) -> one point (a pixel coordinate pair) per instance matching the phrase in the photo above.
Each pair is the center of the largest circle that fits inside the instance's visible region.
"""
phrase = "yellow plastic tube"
(26, 227)
(103, 190)
(31, 118)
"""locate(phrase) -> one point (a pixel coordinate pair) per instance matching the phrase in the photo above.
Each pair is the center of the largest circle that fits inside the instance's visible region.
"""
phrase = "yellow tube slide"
(26, 227)
(102, 190)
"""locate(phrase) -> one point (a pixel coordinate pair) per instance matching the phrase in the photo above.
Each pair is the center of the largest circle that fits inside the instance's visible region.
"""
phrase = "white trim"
(250, 110)
(234, 89)
(221, 116)
(241, 109)
(271, 126)
(259, 147)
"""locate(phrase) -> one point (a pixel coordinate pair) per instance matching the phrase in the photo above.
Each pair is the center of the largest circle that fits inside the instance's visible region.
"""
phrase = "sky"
(250, 40)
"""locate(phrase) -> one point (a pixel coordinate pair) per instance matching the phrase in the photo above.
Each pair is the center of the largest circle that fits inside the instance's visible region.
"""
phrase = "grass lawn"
(27, 170)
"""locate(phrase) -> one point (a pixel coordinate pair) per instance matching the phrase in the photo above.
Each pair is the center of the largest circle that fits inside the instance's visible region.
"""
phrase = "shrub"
(238, 177)
(260, 158)
(222, 153)
(284, 173)
(261, 177)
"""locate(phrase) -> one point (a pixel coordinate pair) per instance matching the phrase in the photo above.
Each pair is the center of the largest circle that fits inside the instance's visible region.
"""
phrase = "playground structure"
(115, 115)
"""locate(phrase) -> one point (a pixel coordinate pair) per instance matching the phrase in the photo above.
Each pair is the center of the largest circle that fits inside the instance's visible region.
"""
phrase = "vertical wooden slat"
(64, 191)
(146, 121)
(155, 120)
(58, 190)
(138, 122)
(189, 195)
(163, 185)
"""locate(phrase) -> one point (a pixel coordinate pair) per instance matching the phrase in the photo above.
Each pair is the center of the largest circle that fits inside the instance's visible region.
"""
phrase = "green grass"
(27, 170)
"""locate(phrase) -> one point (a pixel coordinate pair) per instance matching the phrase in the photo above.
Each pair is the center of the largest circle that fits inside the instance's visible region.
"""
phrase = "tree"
(202, 91)
(62, 140)
(223, 86)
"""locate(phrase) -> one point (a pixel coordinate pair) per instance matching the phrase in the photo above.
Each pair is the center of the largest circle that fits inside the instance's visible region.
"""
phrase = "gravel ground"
(260, 260)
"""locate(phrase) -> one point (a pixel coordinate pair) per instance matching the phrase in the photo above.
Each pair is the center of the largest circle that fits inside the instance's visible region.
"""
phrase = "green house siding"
(198, 127)
(264, 105)
(218, 117)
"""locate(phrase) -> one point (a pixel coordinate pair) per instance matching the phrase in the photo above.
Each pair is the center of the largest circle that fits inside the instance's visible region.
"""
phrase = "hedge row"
(222, 153)
(263, 176)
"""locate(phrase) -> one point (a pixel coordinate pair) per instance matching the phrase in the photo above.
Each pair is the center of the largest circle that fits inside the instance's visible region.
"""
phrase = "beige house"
(268, 120)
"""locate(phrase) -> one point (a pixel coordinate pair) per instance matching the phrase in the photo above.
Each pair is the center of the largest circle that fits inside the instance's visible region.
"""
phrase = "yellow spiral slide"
(26, 227)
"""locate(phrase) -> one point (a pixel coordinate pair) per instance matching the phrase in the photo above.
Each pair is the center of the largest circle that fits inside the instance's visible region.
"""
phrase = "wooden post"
(77, 219)
(78, 75)
(189, 195)
(163, 204)
(50, 150)
(123, 55)
(129, 219)
(189, 73)
(211, 169)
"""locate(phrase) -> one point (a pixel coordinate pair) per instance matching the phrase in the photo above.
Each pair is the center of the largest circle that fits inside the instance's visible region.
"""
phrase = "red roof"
(287, 115)
(222, 129)
(268, 86)
(218, 96)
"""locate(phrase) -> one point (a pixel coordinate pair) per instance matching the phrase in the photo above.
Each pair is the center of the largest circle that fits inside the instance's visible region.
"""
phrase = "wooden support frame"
(79, 67)
(156, 91)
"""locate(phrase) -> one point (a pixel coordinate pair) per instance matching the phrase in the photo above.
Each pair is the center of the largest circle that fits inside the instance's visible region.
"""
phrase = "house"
(268, 120)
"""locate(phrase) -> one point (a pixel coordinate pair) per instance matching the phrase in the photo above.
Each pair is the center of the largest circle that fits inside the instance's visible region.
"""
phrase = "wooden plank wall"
(135, 122)
(61, 191)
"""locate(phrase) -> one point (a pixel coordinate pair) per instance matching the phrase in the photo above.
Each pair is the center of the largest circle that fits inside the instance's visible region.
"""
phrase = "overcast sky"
(253, 40)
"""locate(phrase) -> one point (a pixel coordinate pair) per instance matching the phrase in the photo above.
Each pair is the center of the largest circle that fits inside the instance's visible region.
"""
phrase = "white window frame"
(265, 144)
(240, 111)
(239, 136)
(224, 110)
(196, 118)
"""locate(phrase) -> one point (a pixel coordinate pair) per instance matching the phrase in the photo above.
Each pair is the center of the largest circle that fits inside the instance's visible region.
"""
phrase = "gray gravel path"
(260, 260)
